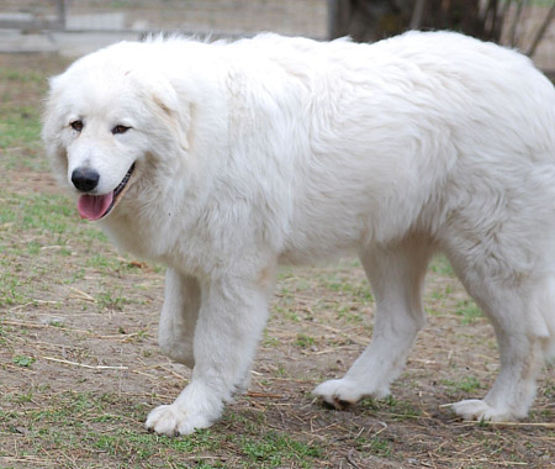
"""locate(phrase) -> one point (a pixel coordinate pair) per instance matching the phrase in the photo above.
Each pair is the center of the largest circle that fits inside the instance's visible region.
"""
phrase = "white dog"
(223, 160)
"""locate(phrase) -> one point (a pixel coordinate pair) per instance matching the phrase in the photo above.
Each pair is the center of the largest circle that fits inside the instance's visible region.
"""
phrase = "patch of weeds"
(94, 234)
(433, 312)
(269, 341)
(275, 450)
(288, 314)
(548, 391)
(468, 310)
(402, 409)
(24, 397)
(109, 301)
(397, 409)
(18, 76)
(101, 262)
(350, 314)
(377, 446)
(33, 248)
(20, 125)
(304, 341)
(124, 442)
(10, 289)
(44, 213)
(23, 361)
(107, 418)
(443, 293)
(302, 285)
(75, 276)
(285, 273)
(140, 446)
(359, 290)
(89, 407)
(107, 263)
(440, 265)
(466, 385)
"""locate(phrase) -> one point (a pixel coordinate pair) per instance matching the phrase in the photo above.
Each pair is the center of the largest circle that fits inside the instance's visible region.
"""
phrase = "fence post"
(61, 14)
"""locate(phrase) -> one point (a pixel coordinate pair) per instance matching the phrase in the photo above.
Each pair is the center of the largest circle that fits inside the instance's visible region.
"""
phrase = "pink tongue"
(93, 207)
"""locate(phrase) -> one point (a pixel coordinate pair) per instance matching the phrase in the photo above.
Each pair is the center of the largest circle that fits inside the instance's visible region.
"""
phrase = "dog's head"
(106, 117)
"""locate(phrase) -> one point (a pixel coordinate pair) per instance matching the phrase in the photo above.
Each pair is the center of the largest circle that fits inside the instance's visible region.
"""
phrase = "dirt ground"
(80, 367)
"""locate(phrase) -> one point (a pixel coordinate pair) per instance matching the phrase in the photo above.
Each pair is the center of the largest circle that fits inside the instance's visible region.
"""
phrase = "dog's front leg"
(179, 316)
(232, 315)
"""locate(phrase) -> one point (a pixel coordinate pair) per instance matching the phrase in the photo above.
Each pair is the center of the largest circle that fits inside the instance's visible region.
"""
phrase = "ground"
(80, 367)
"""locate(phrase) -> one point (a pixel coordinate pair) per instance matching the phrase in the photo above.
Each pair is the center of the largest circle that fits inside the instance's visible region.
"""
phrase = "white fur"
(273, 149)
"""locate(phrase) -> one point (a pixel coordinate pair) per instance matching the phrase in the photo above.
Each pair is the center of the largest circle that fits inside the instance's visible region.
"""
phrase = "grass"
(56, 426)
(305, 341)
(274, 450)
(376, 446)
(80, 367)
(21, 360)
(466, 386)
(37, 231)
(468, 310)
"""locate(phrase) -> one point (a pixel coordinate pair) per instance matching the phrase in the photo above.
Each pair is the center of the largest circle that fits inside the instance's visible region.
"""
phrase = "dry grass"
(80, 368)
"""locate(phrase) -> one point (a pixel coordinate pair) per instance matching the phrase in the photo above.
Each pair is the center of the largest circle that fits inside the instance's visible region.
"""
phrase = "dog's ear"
(176, 112)
(52, 123)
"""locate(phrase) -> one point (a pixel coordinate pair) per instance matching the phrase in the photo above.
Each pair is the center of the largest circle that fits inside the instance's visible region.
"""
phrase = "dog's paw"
(477, 409)
(338, 393)
(165, 419)
(341, 393)
(171, 420)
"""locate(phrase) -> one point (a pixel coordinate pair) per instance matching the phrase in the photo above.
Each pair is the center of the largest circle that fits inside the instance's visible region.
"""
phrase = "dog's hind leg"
(521, 311)
(396, 274)
(179, 317)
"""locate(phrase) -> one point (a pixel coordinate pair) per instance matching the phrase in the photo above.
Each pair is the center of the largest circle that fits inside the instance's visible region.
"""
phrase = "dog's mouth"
(95, 207)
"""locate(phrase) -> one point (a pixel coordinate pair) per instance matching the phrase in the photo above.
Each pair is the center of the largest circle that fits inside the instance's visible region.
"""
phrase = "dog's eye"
(77, 125)
(120, 129)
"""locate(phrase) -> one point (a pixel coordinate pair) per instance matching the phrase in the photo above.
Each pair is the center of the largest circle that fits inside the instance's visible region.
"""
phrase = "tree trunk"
(368, 20)
(371, 20)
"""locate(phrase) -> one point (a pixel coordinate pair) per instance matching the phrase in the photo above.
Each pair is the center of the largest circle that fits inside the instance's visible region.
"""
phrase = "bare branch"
(543, 28)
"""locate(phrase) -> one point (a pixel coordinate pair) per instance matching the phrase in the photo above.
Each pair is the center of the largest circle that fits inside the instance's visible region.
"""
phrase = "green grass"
(36, 235)
(77, 422)
(20, 125)
(45, 213)
(21, 360)
(376, 446)
(468, 310)
(22, 77)
(395, 408)
(108, 300)
(467, 385)
(305, 341)
(275, 449)
(359, 291)
(20, 134)
(350, 314)
(440, 265)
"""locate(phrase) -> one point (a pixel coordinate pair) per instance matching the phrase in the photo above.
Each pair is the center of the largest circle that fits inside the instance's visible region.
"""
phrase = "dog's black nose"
(85, 179)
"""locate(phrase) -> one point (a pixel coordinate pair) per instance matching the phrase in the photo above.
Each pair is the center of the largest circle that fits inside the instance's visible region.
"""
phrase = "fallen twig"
(83, 365)
(85, 296)
(263, 394)
(351, 460)
(511, 424)
(42, 326)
